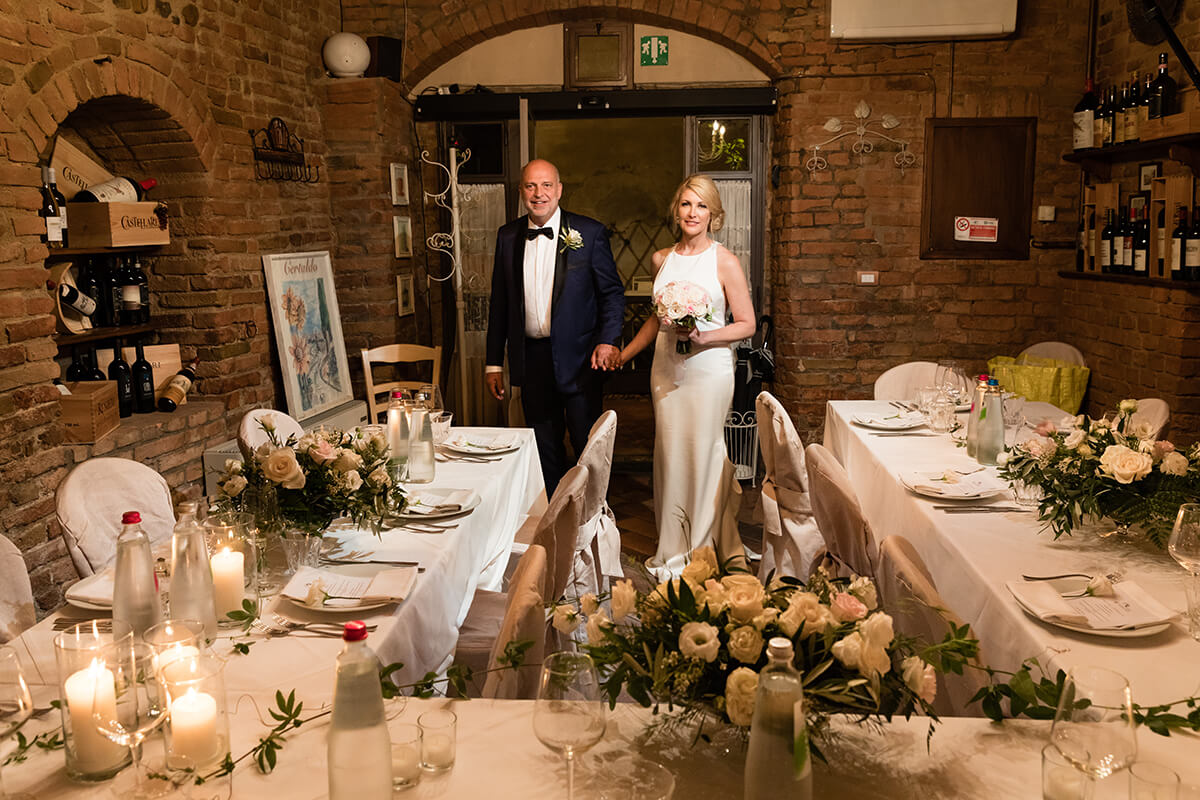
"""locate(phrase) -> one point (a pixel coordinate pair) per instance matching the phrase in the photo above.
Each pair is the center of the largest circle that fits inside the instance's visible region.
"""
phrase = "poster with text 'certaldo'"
(308, 331)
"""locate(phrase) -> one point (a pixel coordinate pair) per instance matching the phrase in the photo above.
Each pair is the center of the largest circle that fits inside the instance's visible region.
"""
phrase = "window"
(598, 54)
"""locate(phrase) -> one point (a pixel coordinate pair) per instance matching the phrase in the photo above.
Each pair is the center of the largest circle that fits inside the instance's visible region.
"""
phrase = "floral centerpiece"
(683, 304)
(317, 478)
(1094, 468)
(696, 644)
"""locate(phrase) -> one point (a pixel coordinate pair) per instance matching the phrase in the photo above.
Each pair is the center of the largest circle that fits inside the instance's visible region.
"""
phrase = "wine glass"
(1093, 726)
(951, 379)
(136, 706)
(15, 704)
(432, 398)
(1184, 547)
(1013, 405)
(568, 716)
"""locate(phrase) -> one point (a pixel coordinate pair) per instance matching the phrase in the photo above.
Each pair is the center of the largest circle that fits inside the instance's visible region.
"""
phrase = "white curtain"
(481, 213)
(735, 235)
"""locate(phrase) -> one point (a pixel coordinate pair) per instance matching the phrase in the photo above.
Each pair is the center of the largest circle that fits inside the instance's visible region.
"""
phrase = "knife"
(977, 509)
(340, 561)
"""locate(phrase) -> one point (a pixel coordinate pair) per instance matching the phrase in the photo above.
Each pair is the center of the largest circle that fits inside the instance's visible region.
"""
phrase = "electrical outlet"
(867, 278)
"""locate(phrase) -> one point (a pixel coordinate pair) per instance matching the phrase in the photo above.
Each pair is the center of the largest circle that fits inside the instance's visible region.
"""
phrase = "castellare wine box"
(116, 225)
(89, 411)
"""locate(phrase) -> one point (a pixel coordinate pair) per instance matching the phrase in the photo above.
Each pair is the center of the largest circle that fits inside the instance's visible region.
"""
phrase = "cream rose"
(716, 597)
(237, 483)
(379, 477)
(315, 597)
(805, 608)
(920, 677)
(764, 619)
(745, 644)
(847, 608)
(856, 652)
(281, 467)
(1125, 465)
(1100, 586)
(347, 460)
(877, 630)
(1174, 463)
(699, 640)
(233, 466)
(864, 590)
(565, 618)
(702, 566)
(588, 604)
(1128, 407)
(1074, 439)
(352, 481)
(1039, 446)
(740, 689)
(596, 625)
(624, 599)
(745, 594)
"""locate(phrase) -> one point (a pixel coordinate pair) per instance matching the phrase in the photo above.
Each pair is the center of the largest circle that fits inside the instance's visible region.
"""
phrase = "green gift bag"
(1047, 379)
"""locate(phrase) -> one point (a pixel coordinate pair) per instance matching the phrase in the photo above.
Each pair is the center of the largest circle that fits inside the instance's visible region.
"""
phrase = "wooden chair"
(395, 354)
(902, 381)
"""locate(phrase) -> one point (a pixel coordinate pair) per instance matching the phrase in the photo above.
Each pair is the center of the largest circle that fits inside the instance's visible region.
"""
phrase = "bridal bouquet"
(1106, 468)
(682, 304)
(696, 643)
(322, 475)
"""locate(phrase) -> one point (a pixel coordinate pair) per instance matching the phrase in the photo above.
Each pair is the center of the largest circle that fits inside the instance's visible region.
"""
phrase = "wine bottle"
(143, 383)
(120, 371)
(178, 387)
(134, 291)
(68, 295)
(62, 205)
(49, 212)
(85, 282)
(1082, 136)
(1141, 244)
(1191, 248)
(1178, 237)
(97, 374)
(143, 284)
(75, 370)
(1098, 119)
(1161, 254)
(110, 289)
(1119, 114)
(1126, 265)
(1107, 235)
(1110, 111)
(1133, 109)
(1092, 235)
(1144, 104)
(1162, 91)
(116, 190)
(1081, 244)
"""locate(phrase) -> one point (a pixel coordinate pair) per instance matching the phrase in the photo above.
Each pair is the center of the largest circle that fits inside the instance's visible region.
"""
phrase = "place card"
(349, 591)
(439, 503)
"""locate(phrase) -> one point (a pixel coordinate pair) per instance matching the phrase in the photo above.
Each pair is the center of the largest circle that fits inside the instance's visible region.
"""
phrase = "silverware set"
(969, 509)
(904, 433)
(906, 407)
(480, 459)
(347, 561)
(279, 625)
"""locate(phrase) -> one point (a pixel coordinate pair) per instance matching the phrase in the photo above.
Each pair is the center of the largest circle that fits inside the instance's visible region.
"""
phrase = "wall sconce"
(862, 144)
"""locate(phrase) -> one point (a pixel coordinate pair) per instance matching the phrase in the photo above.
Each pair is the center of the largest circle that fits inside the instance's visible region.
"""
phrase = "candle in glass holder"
(194, 737)
(229, 576)
(89, 691)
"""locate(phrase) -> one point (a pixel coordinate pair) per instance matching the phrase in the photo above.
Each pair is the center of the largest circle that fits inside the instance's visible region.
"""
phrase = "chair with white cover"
(251, 434)
(1153, 414)
(17, 611)
(1060, 351)
(598, 546)
(844, 527)
(791, 539)
(907, 592)
(95, 495)
(496, 618)
(378, 393)
(524, 621)
(902, 381)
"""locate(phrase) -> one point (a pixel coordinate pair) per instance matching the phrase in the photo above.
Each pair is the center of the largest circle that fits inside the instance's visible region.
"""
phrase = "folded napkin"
(952, 484)
(311, 587)
(501, 441)
(1044, 602)
(95, 589)
(1129, 607)
(430, 503)
(390, 585)
(897, 421)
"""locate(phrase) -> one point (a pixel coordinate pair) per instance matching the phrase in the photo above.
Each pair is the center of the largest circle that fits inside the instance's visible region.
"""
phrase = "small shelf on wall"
(1098, 161)
(104, 334)
(1166, 283)
(69, 253)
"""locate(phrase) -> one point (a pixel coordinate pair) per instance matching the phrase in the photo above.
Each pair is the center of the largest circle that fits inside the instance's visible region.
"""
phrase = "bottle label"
(1081, 135)
(54, 229)
(1106, 253)
(131, 297)
(1127, 252)
(1139, 260)
(1176, 248)
(81, 303)
(1191, 253)
(1131, 124)
(1097, 130)
(178, 387)
(116, 190)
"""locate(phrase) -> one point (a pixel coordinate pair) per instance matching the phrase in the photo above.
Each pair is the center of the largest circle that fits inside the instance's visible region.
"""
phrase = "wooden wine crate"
(164, 363)
(115, 225)
(1174, 125)
(90, 411)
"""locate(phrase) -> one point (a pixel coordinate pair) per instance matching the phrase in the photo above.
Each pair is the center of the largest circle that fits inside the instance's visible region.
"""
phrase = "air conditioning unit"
(921, 20)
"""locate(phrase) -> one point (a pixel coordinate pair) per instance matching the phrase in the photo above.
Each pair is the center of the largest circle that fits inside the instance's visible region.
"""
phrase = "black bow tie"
(533, 233)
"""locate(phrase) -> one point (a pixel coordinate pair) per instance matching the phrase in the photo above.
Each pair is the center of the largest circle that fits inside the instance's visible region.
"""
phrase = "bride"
(694, 481)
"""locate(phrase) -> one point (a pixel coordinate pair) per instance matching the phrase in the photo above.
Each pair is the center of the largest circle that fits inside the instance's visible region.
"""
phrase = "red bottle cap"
(130, 517)
(354, 631)
(397, 393)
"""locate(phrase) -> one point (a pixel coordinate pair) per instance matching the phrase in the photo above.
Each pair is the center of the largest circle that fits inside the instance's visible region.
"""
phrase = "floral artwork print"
(311, 352)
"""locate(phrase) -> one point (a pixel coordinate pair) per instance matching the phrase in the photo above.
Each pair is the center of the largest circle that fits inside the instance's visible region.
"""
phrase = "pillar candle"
(228, 569)
(194, 740)
(89, 691)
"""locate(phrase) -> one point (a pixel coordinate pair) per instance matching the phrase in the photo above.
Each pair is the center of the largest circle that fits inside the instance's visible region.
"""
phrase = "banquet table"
(972, 556)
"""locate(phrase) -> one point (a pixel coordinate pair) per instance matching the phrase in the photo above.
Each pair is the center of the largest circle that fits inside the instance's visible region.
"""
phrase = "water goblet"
(16, 704)
(941, 413)
(1184, 547)
(924, 399)
(568, 716)
(1093, 726)
(431, 398)
(136, 706)
(1013, 404)
(951, 379)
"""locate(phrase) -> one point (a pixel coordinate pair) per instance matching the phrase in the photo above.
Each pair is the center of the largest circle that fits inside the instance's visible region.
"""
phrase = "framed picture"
(402, 235)
(308, 331)
(399, 175)
(1139, 200)
(404, 295)
(1148, 172)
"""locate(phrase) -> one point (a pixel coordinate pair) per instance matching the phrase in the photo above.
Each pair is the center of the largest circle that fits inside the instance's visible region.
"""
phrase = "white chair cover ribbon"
(597, 554)
(791, 531)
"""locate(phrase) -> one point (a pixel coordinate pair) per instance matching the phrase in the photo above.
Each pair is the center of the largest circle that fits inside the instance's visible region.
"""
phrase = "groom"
(558, 304)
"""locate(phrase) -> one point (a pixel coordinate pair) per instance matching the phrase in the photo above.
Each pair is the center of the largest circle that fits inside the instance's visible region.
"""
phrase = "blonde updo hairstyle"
(706, 190)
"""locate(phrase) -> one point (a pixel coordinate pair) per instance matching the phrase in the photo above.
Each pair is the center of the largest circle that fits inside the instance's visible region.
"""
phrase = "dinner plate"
(929, 485)
(469, 449)
(357, 570)
(889, 422)
(1072, 585)
(439, 492)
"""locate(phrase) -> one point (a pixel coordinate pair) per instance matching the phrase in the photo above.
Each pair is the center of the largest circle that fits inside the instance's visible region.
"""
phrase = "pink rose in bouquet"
(683, 304)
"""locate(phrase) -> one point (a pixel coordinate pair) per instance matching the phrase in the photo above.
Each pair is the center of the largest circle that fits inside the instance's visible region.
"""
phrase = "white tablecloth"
(971, 556)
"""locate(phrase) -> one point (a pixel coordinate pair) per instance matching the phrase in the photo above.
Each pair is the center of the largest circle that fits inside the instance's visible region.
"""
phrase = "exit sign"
(654, 51)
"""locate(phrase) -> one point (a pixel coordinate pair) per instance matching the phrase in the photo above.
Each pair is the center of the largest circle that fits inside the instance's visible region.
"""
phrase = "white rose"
(1174, 463)
(877, 630)
(1002, 458)
(596, 625)
(699, 640)
(267, 422)
(1100, 586)
(856, 652)
(565, 619)
(1125, 465)
(920, 677)
(281, 467)
(624, 599)
(745, 594)
(848, 650)
(236, 483)
(379, 477)
(764, 619)
(702, 566)
(347, 460)
(864, 590)
(806, 608)
(315, 597)
(1142, 430)
(716, 597)
(588, 604)
(740, 689)
(233, 466)
(1074, 439)
(745, 644)
(1128, 406)
(352, 481)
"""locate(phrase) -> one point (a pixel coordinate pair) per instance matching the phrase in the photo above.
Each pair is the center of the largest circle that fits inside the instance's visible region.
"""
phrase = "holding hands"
(606, 357)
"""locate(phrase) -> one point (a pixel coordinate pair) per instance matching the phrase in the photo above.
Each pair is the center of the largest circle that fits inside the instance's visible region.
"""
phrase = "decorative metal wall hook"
(446, 243)
(862, 144)
(279, 154)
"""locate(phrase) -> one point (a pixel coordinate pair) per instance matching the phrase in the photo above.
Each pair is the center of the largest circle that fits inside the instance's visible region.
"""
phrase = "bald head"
(540, 190)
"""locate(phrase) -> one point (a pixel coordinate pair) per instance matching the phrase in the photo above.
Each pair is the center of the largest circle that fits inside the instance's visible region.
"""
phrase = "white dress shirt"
(540, 255)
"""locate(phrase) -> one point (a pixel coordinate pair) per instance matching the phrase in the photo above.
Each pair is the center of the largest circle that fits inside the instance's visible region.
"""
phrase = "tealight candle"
(92, 690)
(194, 739)
(229, 576)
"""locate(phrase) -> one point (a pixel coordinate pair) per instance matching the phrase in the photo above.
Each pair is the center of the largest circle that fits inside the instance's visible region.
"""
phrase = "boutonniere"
(571, 239)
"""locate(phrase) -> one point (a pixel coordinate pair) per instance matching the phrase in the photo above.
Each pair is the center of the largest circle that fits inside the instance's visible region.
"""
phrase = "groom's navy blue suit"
(559, 388)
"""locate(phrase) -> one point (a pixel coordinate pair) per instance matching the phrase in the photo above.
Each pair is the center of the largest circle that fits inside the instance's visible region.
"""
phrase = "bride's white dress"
(695, 491)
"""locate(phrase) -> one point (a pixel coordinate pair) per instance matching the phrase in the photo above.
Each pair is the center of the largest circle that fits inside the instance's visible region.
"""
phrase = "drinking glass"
(1184, 547)
(1150, 781)
(1060, 780)
(1093, 726)
(15, 704)
(568, 716)
(1013, 405)
(437, 739)
(924, 399)
(431, 398)
(952, 380)
(136, 706)
(441, 426)
(941, 413)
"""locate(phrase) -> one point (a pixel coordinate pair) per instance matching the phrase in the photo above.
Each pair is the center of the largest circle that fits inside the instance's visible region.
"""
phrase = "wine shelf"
(1167, 283)
(68, 253)
(1098, 161)
(101, 334)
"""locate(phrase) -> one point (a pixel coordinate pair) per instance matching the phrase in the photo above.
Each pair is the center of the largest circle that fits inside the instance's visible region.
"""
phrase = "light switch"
(1045, 213)
(867, 278)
